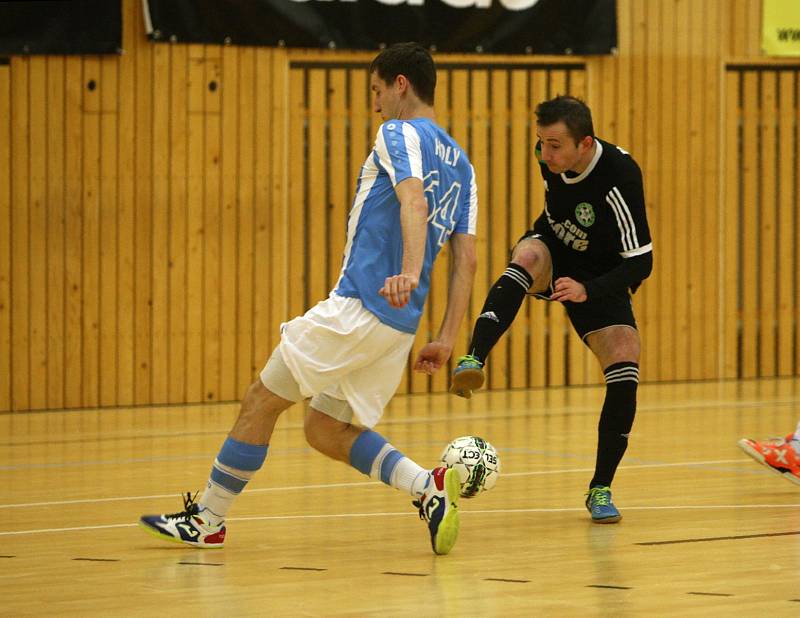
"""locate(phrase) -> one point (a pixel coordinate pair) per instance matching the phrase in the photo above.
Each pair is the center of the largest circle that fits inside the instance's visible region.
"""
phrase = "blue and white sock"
(234, 466)
(372, 455)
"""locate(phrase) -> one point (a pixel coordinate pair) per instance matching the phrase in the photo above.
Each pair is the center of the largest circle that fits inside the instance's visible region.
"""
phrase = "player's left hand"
(568, 289)
(397, 289)
(432, 356)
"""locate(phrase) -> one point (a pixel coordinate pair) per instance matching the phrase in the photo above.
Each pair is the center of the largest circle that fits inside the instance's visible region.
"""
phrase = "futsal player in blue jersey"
(416, 191)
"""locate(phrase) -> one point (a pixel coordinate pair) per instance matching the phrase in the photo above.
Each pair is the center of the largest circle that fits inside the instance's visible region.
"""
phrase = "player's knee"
(532, 257)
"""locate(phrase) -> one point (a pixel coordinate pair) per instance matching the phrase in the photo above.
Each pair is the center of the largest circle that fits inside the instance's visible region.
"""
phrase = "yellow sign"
(780, 35)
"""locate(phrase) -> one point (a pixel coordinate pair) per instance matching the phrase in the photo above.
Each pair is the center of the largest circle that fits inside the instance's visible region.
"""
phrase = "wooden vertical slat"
(786, 200)
(459, 129)
(750, 237)
(160, 340)
(479, 153)
(297, 195)
(768, 266)
(195, 225)
(520, 156)
(37, 218)
(126, 209)
(20, 234)
(446, 100)
(280, 195)
(670, 207)
(340, 180)
(796, 184)
(269, 247)
(90, 257)
(316, 202)
(245, 97)
(178, 140)
(650, 161)
(56, 211)
(143, 223)
(6, 364)
(108, 307)
(730, 223)
(230, 229)
(497, 231)
(538, 310)
(679, 230)
(212, 218)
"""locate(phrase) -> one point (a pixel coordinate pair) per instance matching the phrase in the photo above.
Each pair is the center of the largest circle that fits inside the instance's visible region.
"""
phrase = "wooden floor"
(705, 530)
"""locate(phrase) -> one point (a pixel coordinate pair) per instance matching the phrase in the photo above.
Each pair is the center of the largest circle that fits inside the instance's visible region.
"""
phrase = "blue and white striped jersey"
(374, 249)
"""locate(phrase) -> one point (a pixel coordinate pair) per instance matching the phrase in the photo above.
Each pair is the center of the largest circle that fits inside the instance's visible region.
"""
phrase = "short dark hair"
(571, 111)
(413, 61)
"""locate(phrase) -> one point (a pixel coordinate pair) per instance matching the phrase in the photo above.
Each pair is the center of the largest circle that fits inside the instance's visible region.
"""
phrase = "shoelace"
(189, 507)
(469, 358)
(418, 504)
(598, 497)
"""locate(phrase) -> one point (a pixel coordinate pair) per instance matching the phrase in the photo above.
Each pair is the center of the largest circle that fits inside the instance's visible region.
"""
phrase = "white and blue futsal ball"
(476, 462)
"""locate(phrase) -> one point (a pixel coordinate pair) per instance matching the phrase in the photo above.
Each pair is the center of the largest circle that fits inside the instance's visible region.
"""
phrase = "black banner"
(75, 27)
(490, 26)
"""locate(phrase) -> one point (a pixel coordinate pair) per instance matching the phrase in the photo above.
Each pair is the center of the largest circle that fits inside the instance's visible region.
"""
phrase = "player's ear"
(586, 142)
(402, 83)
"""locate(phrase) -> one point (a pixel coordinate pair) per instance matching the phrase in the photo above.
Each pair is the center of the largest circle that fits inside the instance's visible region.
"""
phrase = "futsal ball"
(476, 462)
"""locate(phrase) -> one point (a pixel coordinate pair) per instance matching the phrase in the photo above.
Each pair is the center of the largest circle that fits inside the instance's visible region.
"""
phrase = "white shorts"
(340, 349)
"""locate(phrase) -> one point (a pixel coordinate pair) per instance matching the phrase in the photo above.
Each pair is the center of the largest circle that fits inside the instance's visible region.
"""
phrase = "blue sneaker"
(188, 527)
(467, 376)
(598, 503)
(439, 507)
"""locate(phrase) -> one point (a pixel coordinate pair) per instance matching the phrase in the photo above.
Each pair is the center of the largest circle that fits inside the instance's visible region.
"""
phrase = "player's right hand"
(397, 289)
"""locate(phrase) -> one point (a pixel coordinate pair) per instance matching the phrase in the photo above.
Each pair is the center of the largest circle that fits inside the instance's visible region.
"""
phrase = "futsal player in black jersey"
(589, 250)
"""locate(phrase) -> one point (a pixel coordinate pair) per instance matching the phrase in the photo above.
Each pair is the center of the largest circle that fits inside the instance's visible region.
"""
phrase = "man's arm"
(414, 227)
(462, 273)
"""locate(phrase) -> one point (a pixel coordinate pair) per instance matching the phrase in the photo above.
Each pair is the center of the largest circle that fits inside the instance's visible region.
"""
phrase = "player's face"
(559, 151)
(386, 97)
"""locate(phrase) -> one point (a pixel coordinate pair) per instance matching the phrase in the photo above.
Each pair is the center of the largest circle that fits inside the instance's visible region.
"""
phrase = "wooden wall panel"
(6, 317)
(157, 223)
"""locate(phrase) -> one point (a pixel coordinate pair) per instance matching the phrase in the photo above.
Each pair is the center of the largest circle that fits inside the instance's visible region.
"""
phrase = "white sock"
(216, 499)
(797, 432)
(410, 477)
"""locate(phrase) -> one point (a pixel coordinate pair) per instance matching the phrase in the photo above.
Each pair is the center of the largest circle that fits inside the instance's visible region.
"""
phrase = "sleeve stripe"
(627, 227)
(382, 152)
(413, 150)
(640, 251)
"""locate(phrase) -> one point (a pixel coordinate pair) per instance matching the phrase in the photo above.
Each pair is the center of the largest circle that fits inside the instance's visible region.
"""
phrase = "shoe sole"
(759, 457)
(447, 534)
(166, 537)
(466, 381)
(607, 520)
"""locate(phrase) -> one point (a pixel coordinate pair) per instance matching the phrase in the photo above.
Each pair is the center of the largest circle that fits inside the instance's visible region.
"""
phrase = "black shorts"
(591, 315)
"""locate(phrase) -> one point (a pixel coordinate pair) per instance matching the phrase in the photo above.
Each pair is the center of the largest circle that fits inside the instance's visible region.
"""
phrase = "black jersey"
(597, 217)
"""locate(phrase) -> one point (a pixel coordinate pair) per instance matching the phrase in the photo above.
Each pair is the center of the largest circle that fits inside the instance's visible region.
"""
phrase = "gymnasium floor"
(705, 530)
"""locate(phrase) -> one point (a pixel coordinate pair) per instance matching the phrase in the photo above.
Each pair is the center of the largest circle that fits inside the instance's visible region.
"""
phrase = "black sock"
(616, 420)
(499, 310)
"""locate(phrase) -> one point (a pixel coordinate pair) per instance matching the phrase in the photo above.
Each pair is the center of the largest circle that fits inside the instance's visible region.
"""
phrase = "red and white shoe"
(778, 454)
(188, 527)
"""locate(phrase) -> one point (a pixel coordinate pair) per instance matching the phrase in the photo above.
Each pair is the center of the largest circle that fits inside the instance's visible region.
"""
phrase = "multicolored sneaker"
(187, 527)
(467, 376)
(778, 454)
(439, 507)
(598, 503)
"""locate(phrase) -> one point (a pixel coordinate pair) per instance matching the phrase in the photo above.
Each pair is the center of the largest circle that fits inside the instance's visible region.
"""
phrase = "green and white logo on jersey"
(584, 213)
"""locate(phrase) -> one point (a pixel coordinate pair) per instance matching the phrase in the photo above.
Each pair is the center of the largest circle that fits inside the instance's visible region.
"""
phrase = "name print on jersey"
(448, 154)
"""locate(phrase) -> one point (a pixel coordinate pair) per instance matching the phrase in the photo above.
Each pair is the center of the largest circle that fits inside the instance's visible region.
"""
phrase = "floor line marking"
(412, 514)
(368, 483)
